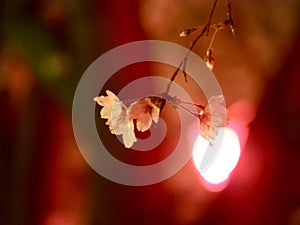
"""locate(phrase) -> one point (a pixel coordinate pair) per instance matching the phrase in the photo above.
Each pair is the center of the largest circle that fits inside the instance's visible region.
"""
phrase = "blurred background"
(45, 47)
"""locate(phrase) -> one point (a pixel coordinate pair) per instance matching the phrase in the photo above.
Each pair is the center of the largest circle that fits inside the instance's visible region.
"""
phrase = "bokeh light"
(216, 176)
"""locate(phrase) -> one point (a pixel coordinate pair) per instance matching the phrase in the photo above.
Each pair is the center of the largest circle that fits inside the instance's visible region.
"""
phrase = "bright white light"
(229, 153)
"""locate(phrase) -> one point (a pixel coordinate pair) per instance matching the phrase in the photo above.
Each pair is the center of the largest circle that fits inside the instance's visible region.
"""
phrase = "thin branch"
(194, 104)
(211, 16)
(173, 78)
(204, 30)
(189, 111)
(229, 16)
(212, 39)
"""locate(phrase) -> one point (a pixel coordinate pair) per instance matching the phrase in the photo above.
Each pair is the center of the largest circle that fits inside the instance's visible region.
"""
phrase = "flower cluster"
(123, 120)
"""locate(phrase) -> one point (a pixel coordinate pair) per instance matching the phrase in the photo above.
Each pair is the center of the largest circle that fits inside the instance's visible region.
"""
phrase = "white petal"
(106, 100)
(155, 113)
(128, 139)
(111, 95)
(218, 111)
(119, 118)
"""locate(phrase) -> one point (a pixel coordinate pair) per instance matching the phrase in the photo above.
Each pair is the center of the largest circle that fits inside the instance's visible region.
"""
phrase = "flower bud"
(209, 59)
(188, 31)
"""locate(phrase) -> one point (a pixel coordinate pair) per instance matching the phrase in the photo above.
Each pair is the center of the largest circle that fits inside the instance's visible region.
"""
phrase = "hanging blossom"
(122, 120)
(117, 117)
(212, 117)
(143, 111)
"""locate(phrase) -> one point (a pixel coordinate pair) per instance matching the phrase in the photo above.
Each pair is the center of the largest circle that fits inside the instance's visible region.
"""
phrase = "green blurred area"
(53, 38)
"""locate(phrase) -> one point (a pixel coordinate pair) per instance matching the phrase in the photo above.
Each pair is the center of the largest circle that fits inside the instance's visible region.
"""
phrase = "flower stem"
(189, 111)
(213, 38)
(197, 105)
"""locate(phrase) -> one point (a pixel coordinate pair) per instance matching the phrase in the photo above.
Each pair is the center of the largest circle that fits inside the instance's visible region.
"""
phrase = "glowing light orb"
(216, 176)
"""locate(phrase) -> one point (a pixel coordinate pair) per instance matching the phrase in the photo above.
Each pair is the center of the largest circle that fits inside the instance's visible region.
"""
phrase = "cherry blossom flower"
(144, 111)
(120, 119)
(117, 117)
(212, 117)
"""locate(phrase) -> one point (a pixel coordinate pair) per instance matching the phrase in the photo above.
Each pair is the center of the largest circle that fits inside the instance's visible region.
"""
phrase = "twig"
(204, 30)
(194, 104)
(197, 115)
(229, 16)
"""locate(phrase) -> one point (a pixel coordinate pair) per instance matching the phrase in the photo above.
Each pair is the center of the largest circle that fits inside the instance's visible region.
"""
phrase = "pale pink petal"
(128, 139)
(106, 100)
(117, 117)
(219, 111)
(207, 131)
(112, 95)
(129, 136)
(144, 111)
(136, 109)
(143, 122)
(105, 112)
(211, 120)
(107, 103)
(204, 130)
(155, 113)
